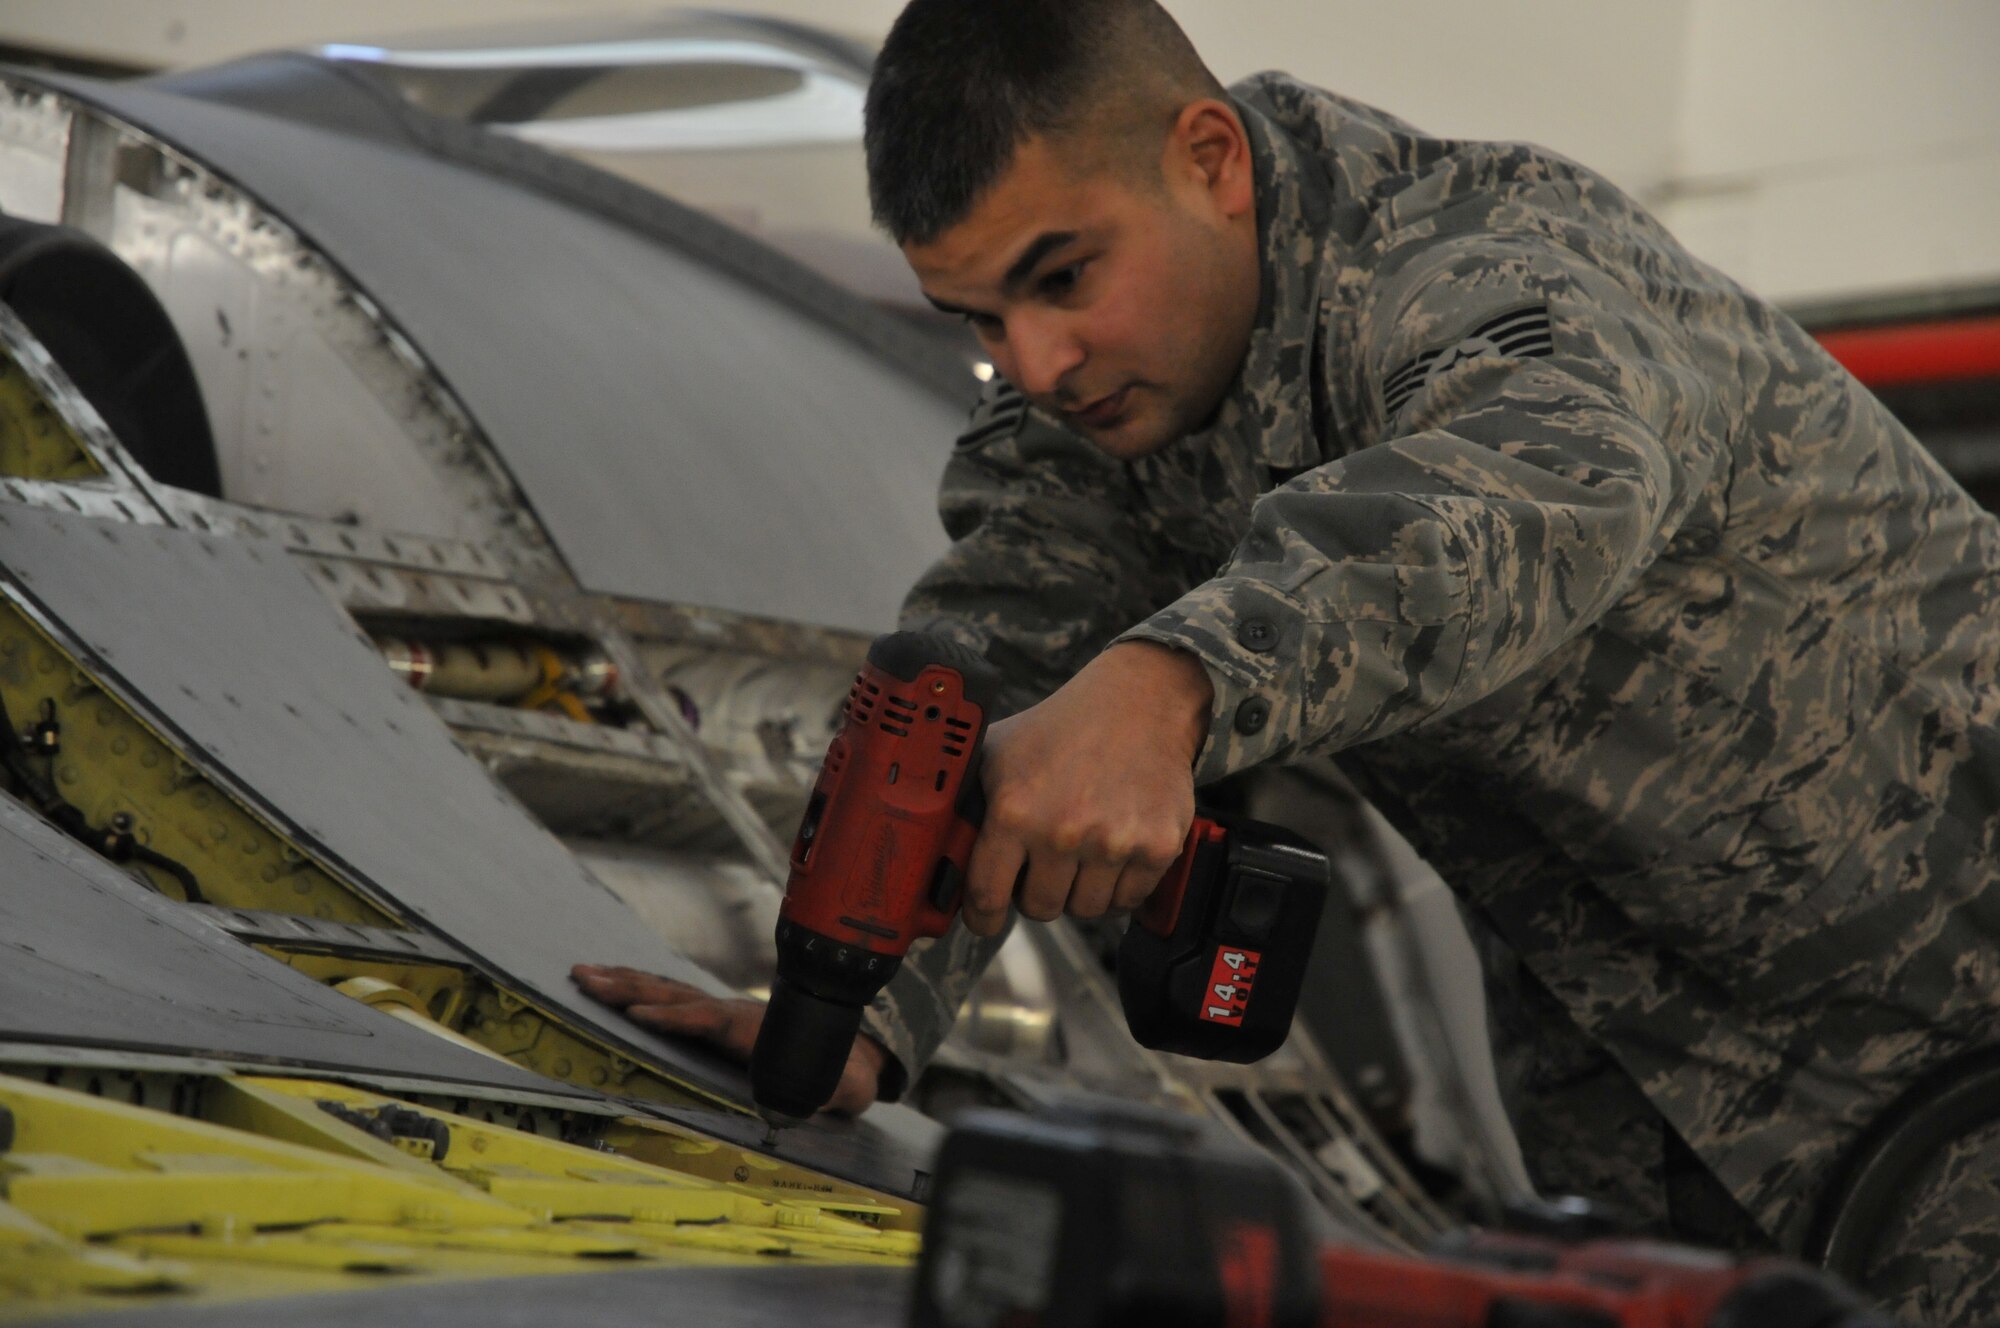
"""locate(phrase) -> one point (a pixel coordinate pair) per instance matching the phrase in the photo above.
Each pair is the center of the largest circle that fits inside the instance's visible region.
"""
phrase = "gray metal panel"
(305, 935)
(89, 957)
(361, 99)
(230, 643)
(751, 1297)
(682, 436)
(890, 1148)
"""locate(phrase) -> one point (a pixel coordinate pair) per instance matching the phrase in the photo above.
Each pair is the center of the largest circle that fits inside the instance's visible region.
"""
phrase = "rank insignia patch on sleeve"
(1000, 413)
(1518, 332)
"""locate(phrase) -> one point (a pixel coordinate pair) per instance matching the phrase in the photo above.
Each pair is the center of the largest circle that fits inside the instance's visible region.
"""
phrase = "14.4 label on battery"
(1230, 978)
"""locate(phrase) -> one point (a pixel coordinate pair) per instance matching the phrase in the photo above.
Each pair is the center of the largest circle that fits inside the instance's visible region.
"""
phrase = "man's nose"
(1044, 352)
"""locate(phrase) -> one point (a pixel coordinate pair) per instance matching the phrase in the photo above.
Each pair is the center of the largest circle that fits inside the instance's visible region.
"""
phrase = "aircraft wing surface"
(643, 400)
(749, 1297)
(88, 957)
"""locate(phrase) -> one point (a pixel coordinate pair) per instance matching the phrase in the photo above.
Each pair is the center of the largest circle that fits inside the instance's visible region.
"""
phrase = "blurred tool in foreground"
(1115, 1216)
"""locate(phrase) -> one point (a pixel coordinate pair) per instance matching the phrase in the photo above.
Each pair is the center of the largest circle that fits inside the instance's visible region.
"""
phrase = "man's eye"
(1062, 281)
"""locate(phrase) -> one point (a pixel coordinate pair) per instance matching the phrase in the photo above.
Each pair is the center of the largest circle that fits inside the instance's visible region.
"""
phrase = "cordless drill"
(1088, 1219)
(1211, 966)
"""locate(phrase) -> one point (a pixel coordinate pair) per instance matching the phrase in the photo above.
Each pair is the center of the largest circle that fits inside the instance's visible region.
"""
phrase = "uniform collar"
(1268, 413)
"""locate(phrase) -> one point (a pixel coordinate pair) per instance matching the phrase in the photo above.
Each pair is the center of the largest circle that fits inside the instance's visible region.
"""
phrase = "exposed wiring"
(117, 842)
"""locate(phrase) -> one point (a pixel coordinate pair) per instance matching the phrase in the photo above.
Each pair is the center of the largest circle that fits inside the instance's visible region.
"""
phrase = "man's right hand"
(729, 1024)
(1089, 794)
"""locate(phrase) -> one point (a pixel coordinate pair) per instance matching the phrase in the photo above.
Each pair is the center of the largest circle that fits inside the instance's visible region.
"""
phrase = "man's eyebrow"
(1024, 266)
(944, 308)
(1031, 257)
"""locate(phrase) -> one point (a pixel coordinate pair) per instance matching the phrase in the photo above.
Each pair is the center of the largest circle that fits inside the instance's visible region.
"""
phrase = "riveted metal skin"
(846, 458)
(228, 717)
(35, 442)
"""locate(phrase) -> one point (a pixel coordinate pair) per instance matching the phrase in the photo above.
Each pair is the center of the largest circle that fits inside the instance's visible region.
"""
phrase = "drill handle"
(912, 657)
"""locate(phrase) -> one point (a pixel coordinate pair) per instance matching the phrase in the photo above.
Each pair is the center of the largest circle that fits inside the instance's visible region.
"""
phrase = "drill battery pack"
(1212, 964)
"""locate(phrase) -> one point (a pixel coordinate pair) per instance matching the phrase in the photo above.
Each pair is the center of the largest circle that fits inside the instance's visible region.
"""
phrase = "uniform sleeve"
(1047, 563)
(914, 1012)
(1544, 432)
(1046, 566)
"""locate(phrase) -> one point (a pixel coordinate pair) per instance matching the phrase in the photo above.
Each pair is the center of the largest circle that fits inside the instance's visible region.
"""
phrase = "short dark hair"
(960, 84)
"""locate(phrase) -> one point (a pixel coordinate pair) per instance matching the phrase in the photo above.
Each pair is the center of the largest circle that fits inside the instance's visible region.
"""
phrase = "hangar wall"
(1816, 149)
(1836, 146)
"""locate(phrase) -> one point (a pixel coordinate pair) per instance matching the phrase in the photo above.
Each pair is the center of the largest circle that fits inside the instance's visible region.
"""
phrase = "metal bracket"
(289, 931)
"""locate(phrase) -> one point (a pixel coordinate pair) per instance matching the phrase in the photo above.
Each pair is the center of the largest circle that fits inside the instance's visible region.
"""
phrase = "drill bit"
(774, 1121)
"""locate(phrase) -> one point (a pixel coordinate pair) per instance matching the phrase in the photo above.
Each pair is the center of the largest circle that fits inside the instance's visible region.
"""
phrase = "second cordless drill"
(1211, 966)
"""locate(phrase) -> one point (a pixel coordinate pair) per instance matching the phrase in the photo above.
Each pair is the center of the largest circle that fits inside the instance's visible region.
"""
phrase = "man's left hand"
(1092, 790)
(727, 1023)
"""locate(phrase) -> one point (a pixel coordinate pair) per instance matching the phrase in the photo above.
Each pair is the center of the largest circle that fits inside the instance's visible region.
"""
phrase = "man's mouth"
(1101, 413)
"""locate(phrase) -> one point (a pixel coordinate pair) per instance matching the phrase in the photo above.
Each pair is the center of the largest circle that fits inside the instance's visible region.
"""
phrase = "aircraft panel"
(89, 957)
(747, 1297)
(890, 1148)
(643, 401)
(230, 642)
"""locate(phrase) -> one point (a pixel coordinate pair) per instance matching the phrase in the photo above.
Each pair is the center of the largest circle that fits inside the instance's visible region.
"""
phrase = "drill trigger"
(946, 886)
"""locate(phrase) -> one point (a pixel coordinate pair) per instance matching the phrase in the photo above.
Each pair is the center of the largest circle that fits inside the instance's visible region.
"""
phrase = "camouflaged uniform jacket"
(1671, 649)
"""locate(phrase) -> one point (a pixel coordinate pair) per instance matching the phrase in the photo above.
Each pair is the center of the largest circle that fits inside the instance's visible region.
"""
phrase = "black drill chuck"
(801, 1050)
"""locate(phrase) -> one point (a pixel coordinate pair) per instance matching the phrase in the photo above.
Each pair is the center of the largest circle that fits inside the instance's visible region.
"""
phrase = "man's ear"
(1210, 145)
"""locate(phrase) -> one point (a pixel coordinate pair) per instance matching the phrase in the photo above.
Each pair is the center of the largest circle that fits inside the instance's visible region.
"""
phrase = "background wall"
(1815, 149)
(1832, 145)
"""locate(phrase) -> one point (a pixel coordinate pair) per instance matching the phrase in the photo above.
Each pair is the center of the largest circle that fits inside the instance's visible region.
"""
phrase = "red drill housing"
(1211, 968)
(880, 856)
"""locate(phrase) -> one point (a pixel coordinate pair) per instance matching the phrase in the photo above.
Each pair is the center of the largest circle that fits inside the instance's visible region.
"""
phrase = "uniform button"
(1698, 543)
(1257, 634)
(1251, 715)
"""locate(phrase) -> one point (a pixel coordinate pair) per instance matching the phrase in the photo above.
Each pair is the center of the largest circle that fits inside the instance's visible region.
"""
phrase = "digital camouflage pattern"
(1659, 636)
(1941, 1254)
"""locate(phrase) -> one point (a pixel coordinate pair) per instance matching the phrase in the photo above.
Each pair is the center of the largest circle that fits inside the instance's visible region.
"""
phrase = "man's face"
(1121, 305)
